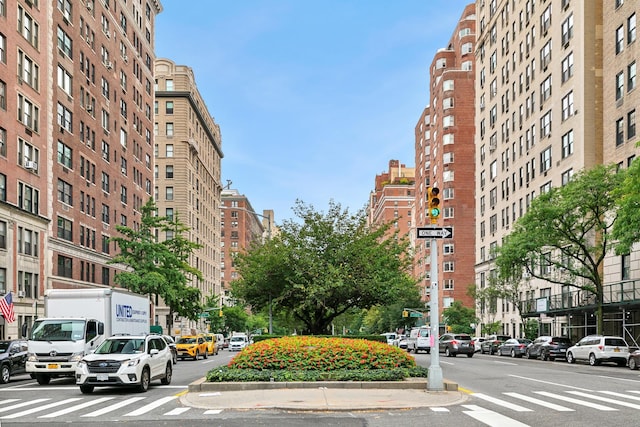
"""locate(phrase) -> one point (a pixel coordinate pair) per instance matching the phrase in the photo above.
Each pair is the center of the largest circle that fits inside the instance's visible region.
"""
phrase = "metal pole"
(434, 379)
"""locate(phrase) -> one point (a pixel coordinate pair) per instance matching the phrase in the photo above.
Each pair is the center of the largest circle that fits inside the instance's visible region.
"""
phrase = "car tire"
(551, 358)
(544, 356)
(43, 379)
(527, 354)
(5, 374)
(491, 351)
(513, 353)
(633, 365)
(168, 373)
(145, 379)
(481, 350)
(570, 358)
(592, 360)
(469, 354)
(206, 354)
(197, 355)
(86, 389)
(447, 352)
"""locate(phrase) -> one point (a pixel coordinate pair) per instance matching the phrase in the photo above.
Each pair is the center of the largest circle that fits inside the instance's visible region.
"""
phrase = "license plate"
(53, 366)
(102, 377)
(616, 350)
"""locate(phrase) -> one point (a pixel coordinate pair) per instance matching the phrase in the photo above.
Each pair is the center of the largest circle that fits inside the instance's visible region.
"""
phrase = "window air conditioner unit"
(108, 64)
(28, 164)
(20, 294)
(126, 58)
(88, 107)
(89, 6)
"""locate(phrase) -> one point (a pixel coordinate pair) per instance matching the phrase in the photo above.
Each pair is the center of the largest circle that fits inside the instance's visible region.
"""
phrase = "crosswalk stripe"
(113, 407)
(605, 399)
(623, 395)
(491, 418)
(502, 403)
(150, 406)
(438, 409)
(76, 407)
(41, 408)
(634, 391)
(22, 404)
(539, 402)
(576, 401)
(4, 402)
(177, 411)
(212, 411)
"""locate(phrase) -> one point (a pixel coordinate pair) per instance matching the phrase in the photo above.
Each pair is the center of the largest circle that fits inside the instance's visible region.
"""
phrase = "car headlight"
(133, 362)
(76, 357)
(31, 357)
(81, 363)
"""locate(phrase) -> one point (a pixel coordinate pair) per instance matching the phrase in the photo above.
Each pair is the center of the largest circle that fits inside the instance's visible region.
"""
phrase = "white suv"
(126, 360)
(598, 348)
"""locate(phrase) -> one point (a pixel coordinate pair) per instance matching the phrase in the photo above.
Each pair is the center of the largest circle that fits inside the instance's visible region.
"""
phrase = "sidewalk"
(320, 396)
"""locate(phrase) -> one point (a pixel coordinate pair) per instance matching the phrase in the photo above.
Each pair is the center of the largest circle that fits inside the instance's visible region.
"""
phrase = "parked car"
(548, 348)
(212, 347)
(477, 341)
(419, 339)
(13, 358)
(172, 347)
(492, 342)
(126, 360)
(192, 346)
(453, 344)
(238, 342)
(514, 347)
(634, 360)
(402, 341)
(392, 338)
(599, 348)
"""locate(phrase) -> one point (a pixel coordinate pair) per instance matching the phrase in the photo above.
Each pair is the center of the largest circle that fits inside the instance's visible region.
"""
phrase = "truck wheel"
(43, 379)
(5, 374)
(86, 389)
(166, 380)
(145, 379)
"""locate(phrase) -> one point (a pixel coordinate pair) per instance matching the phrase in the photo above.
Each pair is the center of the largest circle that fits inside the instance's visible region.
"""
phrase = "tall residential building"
(188, 154)
(241, 226)
(76, 93)
(539, 120)
(392, 198)
(444, 149)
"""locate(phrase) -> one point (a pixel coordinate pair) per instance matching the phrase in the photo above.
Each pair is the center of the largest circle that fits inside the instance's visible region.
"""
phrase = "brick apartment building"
(445, 151)
(188, 153)
(76, 154)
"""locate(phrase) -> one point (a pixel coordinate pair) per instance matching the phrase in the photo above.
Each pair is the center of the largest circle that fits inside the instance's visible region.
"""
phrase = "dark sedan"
(634, 360)
(454, 344)
(548, 348)
(514, 347)
(13, 357)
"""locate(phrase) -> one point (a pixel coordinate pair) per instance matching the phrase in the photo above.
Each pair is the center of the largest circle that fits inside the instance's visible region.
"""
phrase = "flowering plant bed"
(304, 358)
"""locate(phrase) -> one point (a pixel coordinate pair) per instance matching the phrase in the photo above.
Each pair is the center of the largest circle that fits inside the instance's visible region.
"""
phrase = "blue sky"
(313, 97)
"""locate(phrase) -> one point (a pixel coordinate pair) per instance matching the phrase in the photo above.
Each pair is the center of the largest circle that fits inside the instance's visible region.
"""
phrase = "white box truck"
(76, 322)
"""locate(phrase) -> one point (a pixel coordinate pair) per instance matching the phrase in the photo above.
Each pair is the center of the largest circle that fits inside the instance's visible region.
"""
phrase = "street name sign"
(435, 232)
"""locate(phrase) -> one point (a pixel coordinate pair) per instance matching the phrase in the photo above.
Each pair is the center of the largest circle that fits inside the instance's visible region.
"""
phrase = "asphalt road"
(501, 392)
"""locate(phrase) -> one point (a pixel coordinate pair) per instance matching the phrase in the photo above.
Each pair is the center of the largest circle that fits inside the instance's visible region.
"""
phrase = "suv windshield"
(121, 346)
(187, 340)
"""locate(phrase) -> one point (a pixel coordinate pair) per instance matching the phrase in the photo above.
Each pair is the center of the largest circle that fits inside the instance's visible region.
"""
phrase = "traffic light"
(405, 313)
(434, 204)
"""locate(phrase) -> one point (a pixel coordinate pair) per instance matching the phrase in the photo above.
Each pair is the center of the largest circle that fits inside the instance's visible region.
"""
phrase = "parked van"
(392, 338)
(419, 339)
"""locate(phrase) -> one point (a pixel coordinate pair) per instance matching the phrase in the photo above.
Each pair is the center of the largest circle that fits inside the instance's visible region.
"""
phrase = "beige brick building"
(188, 153)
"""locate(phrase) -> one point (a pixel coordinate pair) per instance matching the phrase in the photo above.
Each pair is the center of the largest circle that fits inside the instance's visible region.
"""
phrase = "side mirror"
(154, 351)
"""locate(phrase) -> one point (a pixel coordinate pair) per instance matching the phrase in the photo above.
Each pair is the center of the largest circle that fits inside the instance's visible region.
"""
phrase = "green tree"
(565, 235)
(626, 229)
(235, 319)
(459, 318)
(324, 266)
(159, 268)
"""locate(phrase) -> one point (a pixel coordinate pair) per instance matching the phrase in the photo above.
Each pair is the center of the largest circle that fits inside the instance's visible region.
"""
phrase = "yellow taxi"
(192, 346)
(212, 345)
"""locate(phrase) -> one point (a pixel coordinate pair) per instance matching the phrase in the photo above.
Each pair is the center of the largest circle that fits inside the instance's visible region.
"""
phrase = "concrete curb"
(202, 385)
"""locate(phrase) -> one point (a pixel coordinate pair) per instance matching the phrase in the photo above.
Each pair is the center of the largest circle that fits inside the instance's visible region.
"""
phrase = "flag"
(6, 308)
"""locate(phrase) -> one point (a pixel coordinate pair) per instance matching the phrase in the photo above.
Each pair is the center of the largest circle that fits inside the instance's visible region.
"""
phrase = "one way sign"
(435, 232)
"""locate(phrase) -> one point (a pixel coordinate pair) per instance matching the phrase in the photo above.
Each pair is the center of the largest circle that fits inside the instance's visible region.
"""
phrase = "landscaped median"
(312, 362)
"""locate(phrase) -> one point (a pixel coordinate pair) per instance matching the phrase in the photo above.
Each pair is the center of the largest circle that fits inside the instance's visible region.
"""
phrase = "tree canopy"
(159, 268)
(626, 229)
(564, 236)
(459, 318)
(323, 266)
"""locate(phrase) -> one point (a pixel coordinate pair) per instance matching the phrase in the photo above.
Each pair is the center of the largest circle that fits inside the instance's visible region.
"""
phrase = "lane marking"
(151, 406)
(177, 411)
(623, 395)
(438, 409)
(576, 401)
(620, 379)
(491, 418)
(113, 407)
(212, 411)
(605, 399)
(549, 382)
(502, 403)
(544, 403)
(76, 407)
(41, 408)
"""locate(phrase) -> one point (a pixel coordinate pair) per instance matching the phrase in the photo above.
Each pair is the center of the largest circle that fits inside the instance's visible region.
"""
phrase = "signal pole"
(434, 379)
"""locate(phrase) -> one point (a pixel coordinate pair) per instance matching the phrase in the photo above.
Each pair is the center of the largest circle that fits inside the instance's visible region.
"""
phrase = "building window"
(631, 76)
(169, 107)
(567, 106)
(65, 266)
(448, 266)
(65, 229)
(169, 171)
(28, 198)
(619, 39)
(169, 129)
(625, 263)
(567, 30)
(631, 124)
(105, 214)
(3, 235)
(65, 192)
(64, 155)
(631, 29)
(123, 194)
(169, 193)
(169, 150)
(619, 131)
(567, 144)
(619, 85)
(545, 159)
(448, 284)
(567, 67)
(545, 125)
(3, 142)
